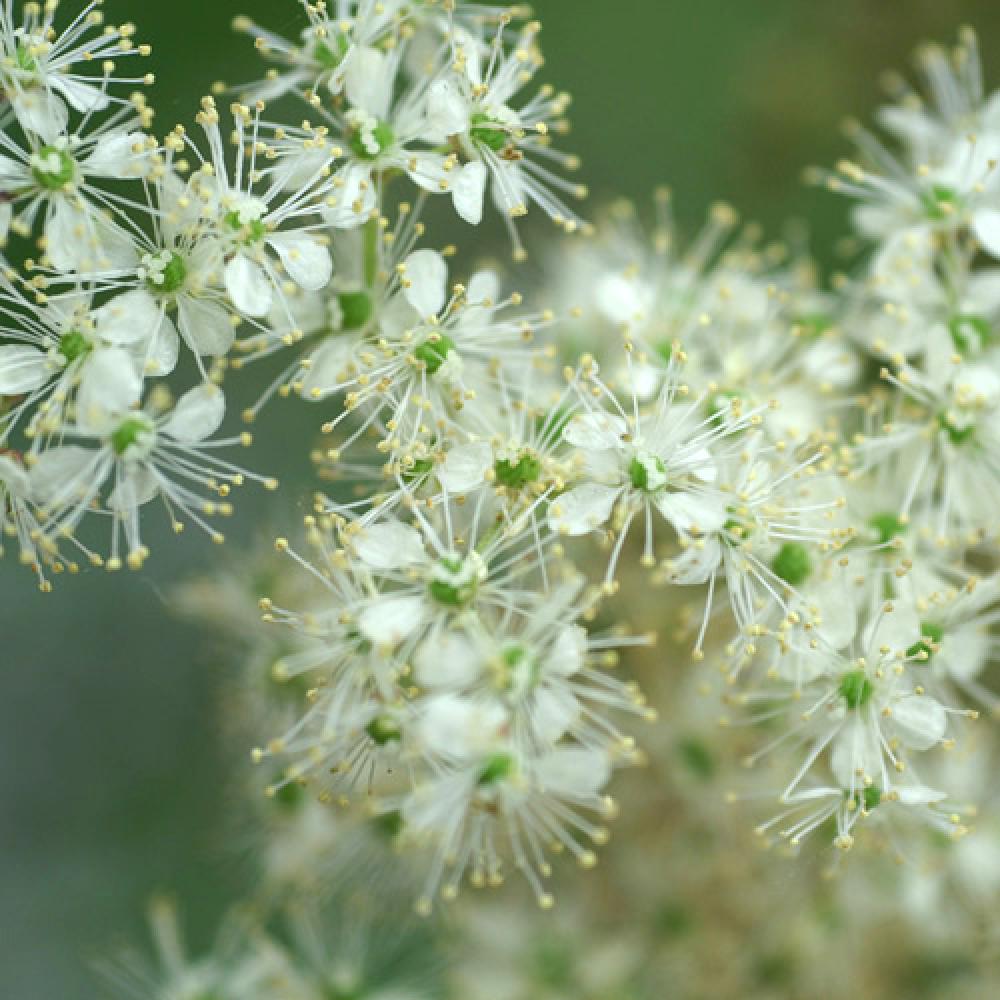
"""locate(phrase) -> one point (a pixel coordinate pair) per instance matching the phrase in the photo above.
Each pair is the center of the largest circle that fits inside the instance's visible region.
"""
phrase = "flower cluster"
(815, 464)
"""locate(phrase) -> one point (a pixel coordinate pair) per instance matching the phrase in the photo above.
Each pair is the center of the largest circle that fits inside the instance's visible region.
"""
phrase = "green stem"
(371, 252)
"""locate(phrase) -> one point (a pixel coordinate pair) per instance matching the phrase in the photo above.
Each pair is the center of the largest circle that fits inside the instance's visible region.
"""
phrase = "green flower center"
(956, 433)
(368, 143)
(25, 60)
(74, 345)
(517, 475)
(434, 351)
(53, 168)
(886, 527)
(940, 202)
(969, 333)
(720, 406)
(870, 798)
(928, 631)
(167, 273)
(520, 671)
(455, 582)
(250, 230)
(855, 688)
(289, 796)
(383, 729)
(813, 325)
(647, 472)
(418, 470)
(488, 131)
(792, 563)
(356, 309)
(697, 758)
(498, 767)
(129, 433)
(330, 54)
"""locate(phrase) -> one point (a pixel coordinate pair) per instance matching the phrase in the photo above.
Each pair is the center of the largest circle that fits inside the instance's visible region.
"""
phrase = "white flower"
(41, 67)
(471, 108)
(249, 217)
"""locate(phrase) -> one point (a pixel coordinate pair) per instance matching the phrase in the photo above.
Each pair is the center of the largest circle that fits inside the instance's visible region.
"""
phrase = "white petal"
(197, 414)
(40, 111)
(82, 96)
(424, 282)
(22, 368)
(368, 81)
(467, 192)
(109, 389)
(986, 226)
(64, 474)
(69, 239)
(138, 487)
(389, 620)
(327, 369)
(595, 430)
(355, 198)
(128, 318)
(446, 661)
(919, 795)
(568, 652)
(465, 467)
(447, 109)
(574, 772)
(459, 727)
(554, 710)
(159, 357)
(696, 563)
(920, 720)
(895, 630)
(690, 513)
(307, 261)
(389, 545)
(582, 509)
(116, 155)
(248, 287)
(14, 478)
(205, 326)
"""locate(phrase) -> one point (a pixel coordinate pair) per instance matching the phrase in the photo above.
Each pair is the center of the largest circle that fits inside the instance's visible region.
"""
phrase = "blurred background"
(112, 776)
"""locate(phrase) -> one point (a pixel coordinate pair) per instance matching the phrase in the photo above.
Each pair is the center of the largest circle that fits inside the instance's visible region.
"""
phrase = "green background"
(112, 780)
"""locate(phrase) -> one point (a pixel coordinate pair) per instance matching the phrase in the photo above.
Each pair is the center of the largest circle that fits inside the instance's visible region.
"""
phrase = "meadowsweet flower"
(55, 183)
(127, 456)
(41, 67)
(470, 107)
(253, 216)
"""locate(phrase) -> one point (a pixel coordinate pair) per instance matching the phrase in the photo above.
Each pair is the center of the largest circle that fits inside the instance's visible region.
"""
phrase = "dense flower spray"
(817, 466)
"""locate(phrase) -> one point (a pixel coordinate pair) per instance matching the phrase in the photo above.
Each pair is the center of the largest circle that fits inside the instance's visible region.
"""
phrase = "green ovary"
(792, 563)
(488, 131)
(53, 168)
(171, 277)
(647, 472)
(928, 630)
(383, 136)
(356, 309)
(515, 475)
(856, 689)
(886, 527)
(383, 730)
(455, 584)
(434, 352)
(331, 56)
(128, 433)
(74, 345)
(251, 232)
(497, 767)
